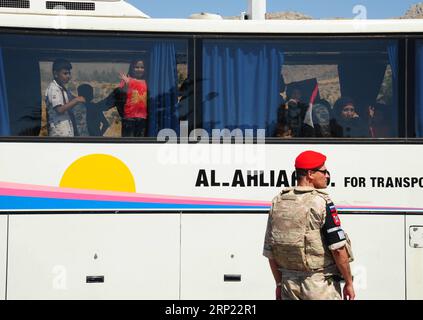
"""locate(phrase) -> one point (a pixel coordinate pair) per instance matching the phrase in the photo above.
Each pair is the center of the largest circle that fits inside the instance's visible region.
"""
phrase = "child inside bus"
(97, 123)
(347, 122)
(59, 102)
(134, 120)
(380, 121)
(291, 114)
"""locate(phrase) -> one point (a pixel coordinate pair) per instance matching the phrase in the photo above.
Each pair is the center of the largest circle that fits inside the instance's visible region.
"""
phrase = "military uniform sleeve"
(267, 248)
(332, 231)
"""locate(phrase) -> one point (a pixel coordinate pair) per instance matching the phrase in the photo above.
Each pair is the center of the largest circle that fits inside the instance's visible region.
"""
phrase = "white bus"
(180, 213)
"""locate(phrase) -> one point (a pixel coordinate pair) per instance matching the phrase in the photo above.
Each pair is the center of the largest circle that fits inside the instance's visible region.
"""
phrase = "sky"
(319, 9)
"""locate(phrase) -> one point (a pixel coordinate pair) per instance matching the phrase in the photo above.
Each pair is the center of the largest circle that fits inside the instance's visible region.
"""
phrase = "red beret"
(309, 160)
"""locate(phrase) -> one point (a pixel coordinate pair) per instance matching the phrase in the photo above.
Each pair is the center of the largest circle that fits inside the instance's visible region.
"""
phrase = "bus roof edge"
(104, 8)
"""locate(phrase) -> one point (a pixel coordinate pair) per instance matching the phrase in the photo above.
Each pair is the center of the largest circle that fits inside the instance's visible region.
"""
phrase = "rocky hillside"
(287, 15)
(283, 15)
(415, 12)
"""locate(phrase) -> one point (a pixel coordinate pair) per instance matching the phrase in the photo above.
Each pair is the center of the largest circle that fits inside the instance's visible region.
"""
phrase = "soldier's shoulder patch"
(333, 213)
(331, 206)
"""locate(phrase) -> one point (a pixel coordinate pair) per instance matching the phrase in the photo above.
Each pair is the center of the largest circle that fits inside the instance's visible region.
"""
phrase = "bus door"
(414, 256)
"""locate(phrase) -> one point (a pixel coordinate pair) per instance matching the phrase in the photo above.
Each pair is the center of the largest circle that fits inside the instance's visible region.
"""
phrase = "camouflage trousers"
(297, 285)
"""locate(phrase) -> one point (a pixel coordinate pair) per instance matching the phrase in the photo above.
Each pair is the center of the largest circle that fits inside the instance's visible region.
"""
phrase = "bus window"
(105, 95)
(418, 90)
(301, 88)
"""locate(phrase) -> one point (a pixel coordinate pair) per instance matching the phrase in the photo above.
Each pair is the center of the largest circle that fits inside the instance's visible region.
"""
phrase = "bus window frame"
(194, 41)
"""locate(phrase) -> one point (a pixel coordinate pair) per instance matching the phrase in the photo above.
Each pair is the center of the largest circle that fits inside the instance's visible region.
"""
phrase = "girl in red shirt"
(134, 121)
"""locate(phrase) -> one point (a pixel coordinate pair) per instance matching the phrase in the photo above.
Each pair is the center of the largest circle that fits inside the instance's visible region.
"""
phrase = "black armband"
(332, 230)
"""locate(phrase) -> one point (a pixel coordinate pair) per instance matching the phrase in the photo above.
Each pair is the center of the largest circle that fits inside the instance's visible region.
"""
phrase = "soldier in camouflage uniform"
(308, 251)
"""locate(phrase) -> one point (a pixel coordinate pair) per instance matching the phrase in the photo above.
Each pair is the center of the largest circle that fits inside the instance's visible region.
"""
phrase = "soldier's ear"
(310, 175)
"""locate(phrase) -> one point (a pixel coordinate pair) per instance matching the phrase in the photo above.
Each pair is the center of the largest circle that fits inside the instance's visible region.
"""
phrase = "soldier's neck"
(305, 183)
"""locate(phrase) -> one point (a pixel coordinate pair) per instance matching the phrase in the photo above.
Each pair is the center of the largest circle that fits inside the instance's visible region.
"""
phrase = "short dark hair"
(86, 91)
(301, 173)
(61, 64)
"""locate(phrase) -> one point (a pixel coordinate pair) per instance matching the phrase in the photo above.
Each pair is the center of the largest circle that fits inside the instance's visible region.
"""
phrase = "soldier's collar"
(304, 189)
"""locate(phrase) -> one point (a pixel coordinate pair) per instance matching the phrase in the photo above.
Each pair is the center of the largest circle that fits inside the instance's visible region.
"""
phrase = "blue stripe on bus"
(32, 203)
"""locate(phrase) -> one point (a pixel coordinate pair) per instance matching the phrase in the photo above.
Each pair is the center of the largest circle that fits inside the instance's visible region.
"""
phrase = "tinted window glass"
(91, 86)
(419, 90)
(319, 88)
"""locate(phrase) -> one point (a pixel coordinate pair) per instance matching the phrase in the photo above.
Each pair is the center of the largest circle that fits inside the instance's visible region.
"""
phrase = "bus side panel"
(65, 256)
(215, 245)
(379, 255)
(414, 249)
(3, 255)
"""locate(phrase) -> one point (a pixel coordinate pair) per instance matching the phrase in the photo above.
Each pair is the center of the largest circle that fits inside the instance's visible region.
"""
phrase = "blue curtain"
(393, 61)
(4, 109)
(361, 79)
(162, 88)
(241, 85)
